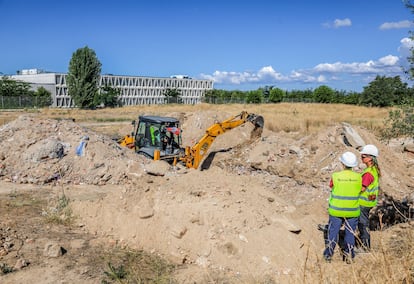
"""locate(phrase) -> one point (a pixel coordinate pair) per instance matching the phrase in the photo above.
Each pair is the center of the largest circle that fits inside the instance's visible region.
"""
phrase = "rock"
(157, 168)
(145, 212)
(179, 231)
(47, 148)
(20, 263)
(53, 249)
(409, 147)
(351, 137)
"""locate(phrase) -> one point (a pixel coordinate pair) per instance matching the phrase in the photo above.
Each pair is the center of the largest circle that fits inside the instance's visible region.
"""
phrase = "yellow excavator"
(158, 137)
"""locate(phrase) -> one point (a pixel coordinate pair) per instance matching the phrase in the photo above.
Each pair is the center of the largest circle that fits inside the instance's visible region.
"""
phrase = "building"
(135, 90)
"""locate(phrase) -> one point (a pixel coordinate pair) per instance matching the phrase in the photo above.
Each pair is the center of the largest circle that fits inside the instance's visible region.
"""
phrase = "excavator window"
(155, 135)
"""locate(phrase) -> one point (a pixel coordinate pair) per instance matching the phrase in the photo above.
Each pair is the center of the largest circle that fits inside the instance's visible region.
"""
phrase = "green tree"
(323, 94)
(350, 98)
(266, 92)
(13, 88)
(237, 96)
(276, 95)
(210, 96)
(109, 97)
(410, 70)
(254, 97)
(172, 96)
(299, 96)
(83, 77)
(384, 91)
(42, 97)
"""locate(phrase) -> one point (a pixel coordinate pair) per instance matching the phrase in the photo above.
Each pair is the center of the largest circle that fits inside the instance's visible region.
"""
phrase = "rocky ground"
(250, 214)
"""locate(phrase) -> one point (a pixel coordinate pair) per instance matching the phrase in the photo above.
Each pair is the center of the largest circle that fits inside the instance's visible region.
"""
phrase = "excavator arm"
(195, 154)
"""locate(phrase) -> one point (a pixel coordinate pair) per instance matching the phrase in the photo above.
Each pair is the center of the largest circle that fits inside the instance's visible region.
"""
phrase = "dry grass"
(391, 260)
(287, 117)
(134, 266)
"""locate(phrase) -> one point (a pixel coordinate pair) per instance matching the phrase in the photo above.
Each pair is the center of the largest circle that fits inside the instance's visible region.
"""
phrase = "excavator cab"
(158, 133)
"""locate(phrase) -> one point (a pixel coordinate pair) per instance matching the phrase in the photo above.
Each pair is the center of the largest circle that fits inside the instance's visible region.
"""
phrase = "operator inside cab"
(155, 135)
(170, 137)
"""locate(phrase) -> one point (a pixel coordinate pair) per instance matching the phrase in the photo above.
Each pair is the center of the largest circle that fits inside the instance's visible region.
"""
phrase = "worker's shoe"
(327, 258)
(347, 258)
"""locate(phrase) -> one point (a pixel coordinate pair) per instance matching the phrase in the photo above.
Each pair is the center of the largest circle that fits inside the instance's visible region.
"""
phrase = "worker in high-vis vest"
(155, 135)
(344, 207)
(370, 189)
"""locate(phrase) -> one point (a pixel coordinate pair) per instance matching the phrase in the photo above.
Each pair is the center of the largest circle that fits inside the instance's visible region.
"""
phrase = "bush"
(400, 122)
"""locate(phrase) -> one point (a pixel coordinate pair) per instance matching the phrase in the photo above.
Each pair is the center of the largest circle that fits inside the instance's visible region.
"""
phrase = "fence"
(17, 102)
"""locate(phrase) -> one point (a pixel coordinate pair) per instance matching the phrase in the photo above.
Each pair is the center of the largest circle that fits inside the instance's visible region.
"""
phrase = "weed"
(4, 268)
(60, 213)
(115, 273)
(136, 266)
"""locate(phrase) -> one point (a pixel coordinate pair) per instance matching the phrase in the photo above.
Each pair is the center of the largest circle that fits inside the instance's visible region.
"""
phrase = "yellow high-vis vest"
(344, 199)
(372, 189)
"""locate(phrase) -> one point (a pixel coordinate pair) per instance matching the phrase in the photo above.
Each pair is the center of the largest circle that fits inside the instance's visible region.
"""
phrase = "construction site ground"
(249, 214)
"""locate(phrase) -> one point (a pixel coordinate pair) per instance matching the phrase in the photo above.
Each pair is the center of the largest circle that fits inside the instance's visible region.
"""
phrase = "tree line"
(381, 92)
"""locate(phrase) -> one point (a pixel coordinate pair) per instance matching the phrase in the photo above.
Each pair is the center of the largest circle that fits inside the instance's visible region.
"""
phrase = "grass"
(287, 117)
(59, 212)
(391, 260)
(135, 266)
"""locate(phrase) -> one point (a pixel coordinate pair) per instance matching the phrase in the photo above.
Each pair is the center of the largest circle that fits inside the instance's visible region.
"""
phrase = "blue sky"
(241, 45)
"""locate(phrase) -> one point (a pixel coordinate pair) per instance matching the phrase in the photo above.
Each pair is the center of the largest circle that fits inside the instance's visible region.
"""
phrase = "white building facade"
(134, 90)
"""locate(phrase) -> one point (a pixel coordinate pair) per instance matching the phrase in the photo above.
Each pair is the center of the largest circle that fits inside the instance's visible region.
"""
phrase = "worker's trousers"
(363, 227)
(334, 225)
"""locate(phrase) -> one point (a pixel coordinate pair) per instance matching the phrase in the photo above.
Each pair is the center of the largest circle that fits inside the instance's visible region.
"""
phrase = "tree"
(42, 97)
(172, 96)
(254, 97)
(109, 97)
(276, 95)
(323, 94)
(384, 91)
(410, 71)
(266, 92)
(83, 77)
(13, 88)
(350, 98)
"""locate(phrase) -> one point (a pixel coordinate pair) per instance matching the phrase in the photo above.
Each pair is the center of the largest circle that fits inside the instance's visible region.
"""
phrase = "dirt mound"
(252, 211)
(39, 151)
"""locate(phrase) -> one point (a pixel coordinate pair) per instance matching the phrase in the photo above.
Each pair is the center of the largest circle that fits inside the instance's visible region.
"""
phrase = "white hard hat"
(370, 150)
(349, 159)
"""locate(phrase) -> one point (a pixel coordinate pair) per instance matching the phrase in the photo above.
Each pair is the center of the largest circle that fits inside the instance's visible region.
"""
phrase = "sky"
(241, 45)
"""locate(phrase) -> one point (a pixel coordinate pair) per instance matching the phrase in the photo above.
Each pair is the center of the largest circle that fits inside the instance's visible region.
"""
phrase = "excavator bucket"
(258, 123)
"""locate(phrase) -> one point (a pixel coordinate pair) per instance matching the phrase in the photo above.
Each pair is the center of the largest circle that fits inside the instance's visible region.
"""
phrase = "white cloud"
(396, 25)
(266, 73)
(342, 23)
(389, 60)
(338, 23)
(405, 50)
(389, 65)
(407, 44)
